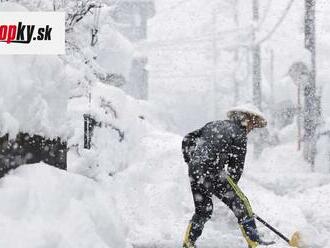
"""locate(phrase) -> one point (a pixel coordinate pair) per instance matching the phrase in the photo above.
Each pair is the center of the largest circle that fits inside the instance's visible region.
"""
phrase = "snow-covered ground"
(149, 203)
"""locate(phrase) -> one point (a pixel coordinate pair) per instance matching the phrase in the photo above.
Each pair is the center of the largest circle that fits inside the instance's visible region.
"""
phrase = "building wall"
(132, 17)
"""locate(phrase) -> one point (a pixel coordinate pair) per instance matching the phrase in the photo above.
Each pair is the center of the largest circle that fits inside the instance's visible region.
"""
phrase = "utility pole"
(236, 57)
(215, 64)
(256, 77)
(256, 59)
(271, 80)
(311, 101)
(299, 108)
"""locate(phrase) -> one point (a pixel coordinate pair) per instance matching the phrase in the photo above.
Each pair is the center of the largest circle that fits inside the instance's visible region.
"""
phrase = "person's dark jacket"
(217, 146)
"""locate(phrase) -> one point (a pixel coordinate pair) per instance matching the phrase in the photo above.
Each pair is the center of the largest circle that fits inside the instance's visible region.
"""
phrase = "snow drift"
(46, 207)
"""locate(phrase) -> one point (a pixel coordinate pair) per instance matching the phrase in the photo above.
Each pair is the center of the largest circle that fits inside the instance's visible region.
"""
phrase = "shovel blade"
(296, 240)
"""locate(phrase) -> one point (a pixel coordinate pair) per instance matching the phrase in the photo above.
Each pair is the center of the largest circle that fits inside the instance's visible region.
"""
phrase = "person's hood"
(249, 109)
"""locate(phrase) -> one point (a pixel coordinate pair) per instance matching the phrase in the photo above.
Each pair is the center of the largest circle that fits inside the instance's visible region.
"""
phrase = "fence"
(29, 149)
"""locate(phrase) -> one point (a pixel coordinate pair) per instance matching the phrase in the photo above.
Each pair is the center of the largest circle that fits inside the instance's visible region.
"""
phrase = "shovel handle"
(273, 229)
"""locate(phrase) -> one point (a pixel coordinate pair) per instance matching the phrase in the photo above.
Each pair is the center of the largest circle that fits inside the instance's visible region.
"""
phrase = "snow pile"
(46, 207)
(112, 53)
(34, 94)
(122, 122)
(154, 192)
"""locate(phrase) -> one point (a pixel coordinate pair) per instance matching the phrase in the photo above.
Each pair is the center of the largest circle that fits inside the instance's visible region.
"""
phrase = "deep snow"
(149, 203)
(46, 207)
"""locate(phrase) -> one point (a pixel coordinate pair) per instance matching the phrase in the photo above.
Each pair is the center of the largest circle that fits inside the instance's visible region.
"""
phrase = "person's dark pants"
(223, 187)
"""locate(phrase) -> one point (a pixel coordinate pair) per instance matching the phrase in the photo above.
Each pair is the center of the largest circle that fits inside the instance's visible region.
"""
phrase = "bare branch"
(81, 12)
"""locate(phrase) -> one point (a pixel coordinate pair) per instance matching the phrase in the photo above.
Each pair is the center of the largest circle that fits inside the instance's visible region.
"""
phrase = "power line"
(191, 40)
(273, 30)
(170, 76)
(265, 14)
(208, 37)
(160, 13)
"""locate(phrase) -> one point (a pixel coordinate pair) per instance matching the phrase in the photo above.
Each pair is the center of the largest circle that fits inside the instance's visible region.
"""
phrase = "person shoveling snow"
(215, 155)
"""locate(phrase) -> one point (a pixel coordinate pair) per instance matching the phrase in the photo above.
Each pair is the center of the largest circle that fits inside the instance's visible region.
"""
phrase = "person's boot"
(187, 242)
(251, 235)
(188, 245)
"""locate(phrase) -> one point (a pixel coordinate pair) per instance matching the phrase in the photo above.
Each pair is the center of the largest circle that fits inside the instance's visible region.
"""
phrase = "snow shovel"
(295, 240)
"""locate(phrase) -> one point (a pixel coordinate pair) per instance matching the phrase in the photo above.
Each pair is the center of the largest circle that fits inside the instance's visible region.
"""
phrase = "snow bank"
(154, 191)
(46, 207)
(124, 121)
(34, 93)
